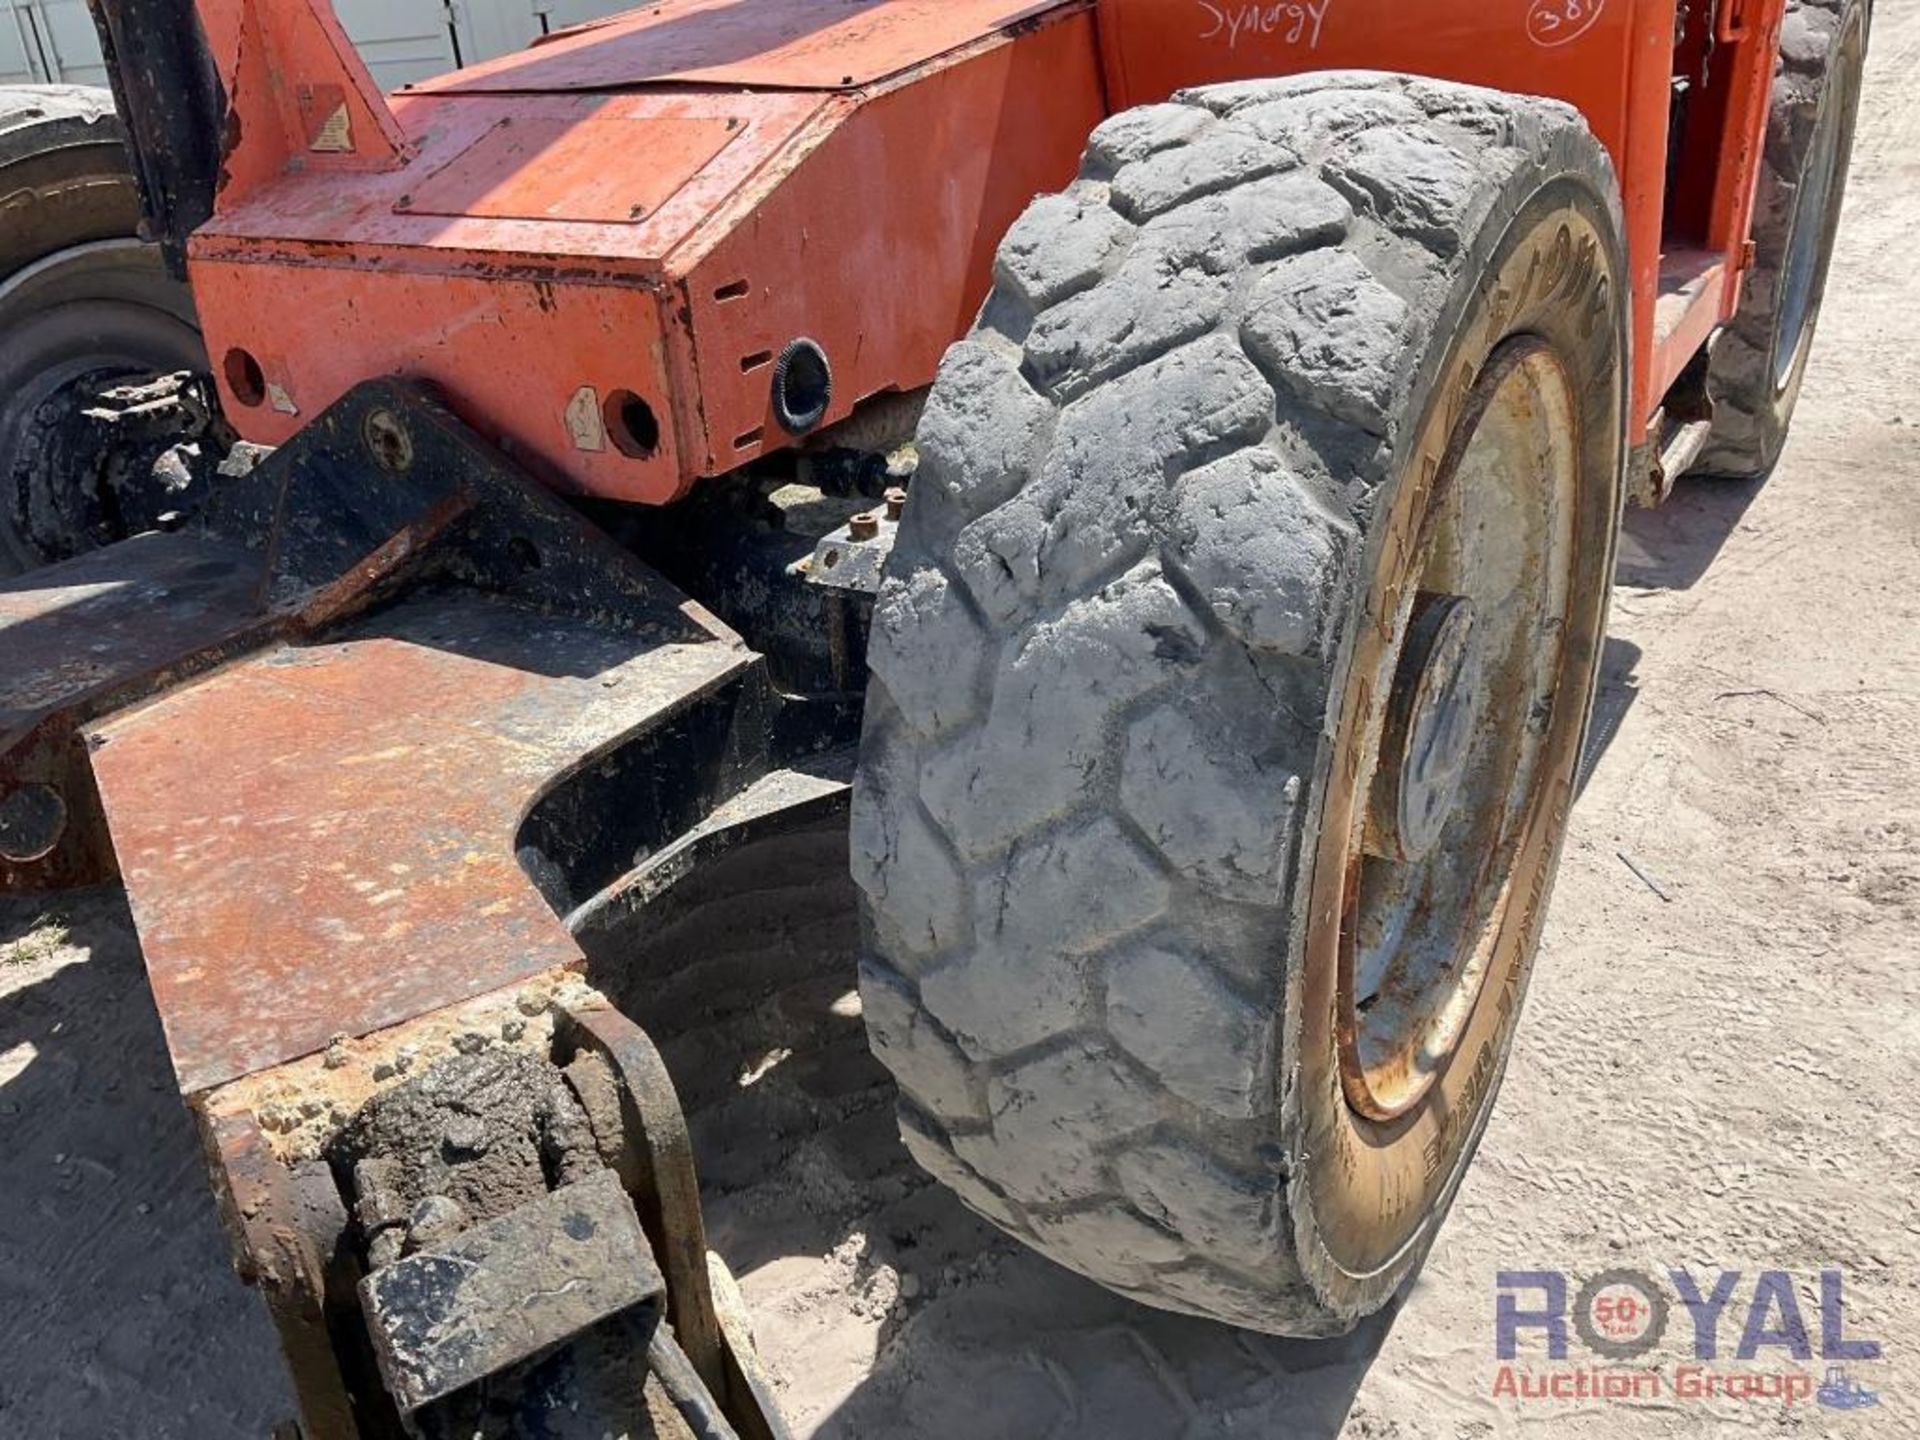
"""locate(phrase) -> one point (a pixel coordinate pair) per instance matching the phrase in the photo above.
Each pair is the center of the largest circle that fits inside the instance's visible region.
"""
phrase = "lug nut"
(896, 502)
(864, 526)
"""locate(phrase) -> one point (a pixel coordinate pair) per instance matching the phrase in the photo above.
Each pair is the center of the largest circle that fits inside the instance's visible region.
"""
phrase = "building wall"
(402, 40)
(49, 40)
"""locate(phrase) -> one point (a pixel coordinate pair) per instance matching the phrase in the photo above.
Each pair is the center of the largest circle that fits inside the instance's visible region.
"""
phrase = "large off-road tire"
(1760, 359)
(1176, 495)
(83, 303)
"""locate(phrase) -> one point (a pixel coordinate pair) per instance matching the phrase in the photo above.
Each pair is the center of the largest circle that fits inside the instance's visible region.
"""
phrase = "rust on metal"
(285, 1227)
(321, 839)
(1396, 1025)
(82, 639)
(269, 1136)
(301, 1105)
(653, 1130)
(265, 1138)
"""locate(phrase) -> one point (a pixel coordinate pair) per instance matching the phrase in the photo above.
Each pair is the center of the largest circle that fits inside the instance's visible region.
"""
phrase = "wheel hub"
(74, 326)
(1431, 718)
(1456, 736)
(106, 454)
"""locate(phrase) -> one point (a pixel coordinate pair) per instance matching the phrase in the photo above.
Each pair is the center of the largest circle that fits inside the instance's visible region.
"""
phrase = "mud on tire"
(1113, 649)
(1760, 359)
(79, 296)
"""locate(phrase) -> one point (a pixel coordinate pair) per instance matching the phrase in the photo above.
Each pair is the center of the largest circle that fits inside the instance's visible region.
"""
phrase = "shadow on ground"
(1615, 692)
(1672, 547)
(119, 1315)
(835, 1231)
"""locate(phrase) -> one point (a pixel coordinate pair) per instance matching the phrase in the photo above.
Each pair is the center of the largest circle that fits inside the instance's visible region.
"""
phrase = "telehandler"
(1149, 470)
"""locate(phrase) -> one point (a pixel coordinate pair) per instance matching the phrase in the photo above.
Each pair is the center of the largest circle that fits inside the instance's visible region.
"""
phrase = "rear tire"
(1153, 574)
(1760, 360)
(83, 303)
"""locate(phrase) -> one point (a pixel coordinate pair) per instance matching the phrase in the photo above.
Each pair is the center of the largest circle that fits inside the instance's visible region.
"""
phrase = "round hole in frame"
(244, 377)
(631, 425)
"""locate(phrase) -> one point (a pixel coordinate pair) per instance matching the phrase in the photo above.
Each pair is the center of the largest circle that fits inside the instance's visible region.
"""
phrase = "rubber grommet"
(802, 386)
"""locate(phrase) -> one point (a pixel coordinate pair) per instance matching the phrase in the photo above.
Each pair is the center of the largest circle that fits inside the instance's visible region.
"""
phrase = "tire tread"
(1218, 321)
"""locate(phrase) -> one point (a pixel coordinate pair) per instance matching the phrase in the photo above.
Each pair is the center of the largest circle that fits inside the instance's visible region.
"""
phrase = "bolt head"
(387, 440)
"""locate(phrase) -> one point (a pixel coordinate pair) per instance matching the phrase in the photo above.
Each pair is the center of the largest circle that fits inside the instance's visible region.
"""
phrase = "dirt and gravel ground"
(1713, 1072)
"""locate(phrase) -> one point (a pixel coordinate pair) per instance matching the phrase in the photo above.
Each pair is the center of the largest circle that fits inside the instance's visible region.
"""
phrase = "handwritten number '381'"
(1557, 22)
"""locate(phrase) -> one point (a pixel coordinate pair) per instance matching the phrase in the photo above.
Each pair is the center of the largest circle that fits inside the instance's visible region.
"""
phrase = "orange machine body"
(597, 248)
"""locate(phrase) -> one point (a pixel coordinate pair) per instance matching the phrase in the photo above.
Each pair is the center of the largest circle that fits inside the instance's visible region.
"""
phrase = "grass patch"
(46, 939)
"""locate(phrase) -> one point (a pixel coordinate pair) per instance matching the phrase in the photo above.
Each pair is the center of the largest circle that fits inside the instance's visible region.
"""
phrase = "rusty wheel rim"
(1481, 579)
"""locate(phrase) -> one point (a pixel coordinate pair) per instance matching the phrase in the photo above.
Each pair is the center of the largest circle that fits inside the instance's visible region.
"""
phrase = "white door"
(493, 27)
(71, 44)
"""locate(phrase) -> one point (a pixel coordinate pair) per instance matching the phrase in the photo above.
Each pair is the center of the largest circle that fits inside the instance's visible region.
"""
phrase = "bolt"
(896, 502)
(387, 439)
(864, 526)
